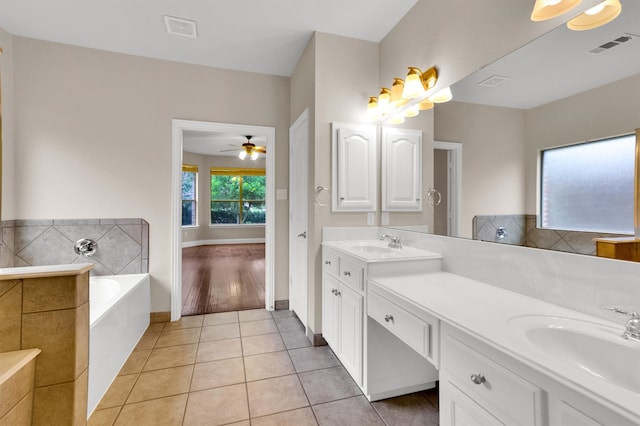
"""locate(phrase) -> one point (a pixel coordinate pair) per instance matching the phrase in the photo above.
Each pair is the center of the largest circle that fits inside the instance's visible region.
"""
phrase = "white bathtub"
(119, 307)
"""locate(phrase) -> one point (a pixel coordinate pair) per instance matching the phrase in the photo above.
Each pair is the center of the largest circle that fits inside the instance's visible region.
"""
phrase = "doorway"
(266, 137)
(447, 180)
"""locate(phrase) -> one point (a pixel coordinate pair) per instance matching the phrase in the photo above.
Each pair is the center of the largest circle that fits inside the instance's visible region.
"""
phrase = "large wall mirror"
(563, 88)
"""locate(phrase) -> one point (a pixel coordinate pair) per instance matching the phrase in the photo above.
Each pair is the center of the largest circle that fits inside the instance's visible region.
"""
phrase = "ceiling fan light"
(242, 155)
(413, 86)
(548, 9)
(443, 95)
(254, 155)
(597, 16)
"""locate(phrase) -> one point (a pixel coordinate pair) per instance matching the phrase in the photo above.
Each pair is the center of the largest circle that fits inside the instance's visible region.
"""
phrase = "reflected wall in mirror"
(564, 88)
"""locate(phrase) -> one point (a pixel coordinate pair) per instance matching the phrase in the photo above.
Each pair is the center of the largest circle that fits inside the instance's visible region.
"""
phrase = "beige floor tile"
(156, 326)
(148, 340)
(178, 337)
(262, 343)
(185, 322)
(160, 383)
(264, 366)
(313, 358)
(135, 362)
(220, 318)
(219, 349)
(118, 392)
(253, 328)
(220, 332)
(171, 356)
(351, 411)
(412, 409)
(328, 384)
(216, 374)
(275, 395)
(299, 417)
(104, 417)
(157, 412)
(254, 315)
(217, 406)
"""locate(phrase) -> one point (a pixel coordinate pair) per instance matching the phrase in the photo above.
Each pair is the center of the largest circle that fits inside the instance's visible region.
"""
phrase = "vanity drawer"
(330, 263)
(351, 274)
(415, 332)
(491, 385)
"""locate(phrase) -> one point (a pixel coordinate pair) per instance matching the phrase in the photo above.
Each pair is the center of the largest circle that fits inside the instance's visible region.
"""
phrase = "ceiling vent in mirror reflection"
(611, 44)
(493, 81)
(180, 27)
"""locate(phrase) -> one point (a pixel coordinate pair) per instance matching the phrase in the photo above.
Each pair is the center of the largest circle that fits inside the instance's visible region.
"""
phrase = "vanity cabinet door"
(457, 409)
(350, 333)
(401, 169)
(330, 312)
(353, 167)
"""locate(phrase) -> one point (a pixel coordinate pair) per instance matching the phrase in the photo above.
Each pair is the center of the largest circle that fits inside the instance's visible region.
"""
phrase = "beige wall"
(95, 137)
(205, 232)
(493, 155)
(7, 190)
(610, 110)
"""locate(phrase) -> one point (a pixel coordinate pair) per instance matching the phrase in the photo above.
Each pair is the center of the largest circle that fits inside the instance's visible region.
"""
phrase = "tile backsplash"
(522, 230)
(123, 244)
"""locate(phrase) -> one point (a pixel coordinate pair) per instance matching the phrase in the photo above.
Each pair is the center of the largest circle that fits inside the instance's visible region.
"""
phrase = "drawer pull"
(388, 318)
(327, 262)
(346, 273)
(478, 379)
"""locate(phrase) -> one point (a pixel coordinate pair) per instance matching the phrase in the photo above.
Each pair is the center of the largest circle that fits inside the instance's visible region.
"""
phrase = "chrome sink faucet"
(394, 242)
(632, 328)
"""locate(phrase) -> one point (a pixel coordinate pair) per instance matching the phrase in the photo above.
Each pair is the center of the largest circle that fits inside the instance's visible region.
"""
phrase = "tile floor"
(245, 368)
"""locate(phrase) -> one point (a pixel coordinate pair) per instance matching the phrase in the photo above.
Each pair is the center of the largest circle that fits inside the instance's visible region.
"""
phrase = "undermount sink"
(377, 250)
(374, 248)
(593, 348)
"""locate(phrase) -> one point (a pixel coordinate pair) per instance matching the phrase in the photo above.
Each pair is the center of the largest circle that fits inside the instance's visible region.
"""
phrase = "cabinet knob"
(327, 262)
(333, 290)
(388, 318)
(478, 379)
(337, 293)
(346, 273)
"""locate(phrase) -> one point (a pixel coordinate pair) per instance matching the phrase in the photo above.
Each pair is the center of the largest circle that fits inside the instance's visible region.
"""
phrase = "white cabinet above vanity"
(401, 166)
(353, 165)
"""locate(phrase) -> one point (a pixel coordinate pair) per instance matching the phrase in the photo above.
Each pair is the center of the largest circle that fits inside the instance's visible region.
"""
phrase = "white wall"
(205, 232)
(7, 168)
(95, 137)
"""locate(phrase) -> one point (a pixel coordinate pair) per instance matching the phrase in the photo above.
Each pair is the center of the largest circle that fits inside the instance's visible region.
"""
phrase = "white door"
(298, 188)
(448, 193)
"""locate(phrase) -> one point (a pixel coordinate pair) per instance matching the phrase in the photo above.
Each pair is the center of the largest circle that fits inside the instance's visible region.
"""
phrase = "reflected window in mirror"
(589, 186)
(189, 195)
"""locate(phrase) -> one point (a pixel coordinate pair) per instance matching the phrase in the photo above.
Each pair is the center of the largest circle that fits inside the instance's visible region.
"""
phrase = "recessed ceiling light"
(180, 27)
(493, 81)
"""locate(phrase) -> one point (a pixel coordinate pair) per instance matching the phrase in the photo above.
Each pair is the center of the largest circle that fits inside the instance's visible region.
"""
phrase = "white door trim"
(455, 150)
(177, 128)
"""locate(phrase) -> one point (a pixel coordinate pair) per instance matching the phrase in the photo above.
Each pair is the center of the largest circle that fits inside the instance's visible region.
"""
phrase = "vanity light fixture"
(597, 16)
(549, 9)
(407, 98)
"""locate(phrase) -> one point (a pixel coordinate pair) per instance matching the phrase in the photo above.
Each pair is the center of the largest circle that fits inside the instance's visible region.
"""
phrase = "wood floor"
(222, 278)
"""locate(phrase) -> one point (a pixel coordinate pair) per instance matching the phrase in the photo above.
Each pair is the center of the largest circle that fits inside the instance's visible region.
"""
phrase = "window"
(589, 186)
(189, 194)
(237, 196)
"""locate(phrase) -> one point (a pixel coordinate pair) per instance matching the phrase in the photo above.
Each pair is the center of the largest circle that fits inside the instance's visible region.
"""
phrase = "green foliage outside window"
(188, 198)
(238, 199)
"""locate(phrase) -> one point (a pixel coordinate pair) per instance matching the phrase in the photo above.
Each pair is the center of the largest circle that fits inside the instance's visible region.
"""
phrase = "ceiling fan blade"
(229, 150)
(260, 149)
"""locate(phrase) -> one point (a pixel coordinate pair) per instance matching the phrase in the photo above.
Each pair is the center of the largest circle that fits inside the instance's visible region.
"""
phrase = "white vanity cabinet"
(353, 166)
(342, 310)
(401, 168)
(480, 385)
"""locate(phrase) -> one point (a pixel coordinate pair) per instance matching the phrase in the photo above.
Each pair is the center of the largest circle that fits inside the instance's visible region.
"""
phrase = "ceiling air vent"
(611, 44)
(493, 81)
(180, 27)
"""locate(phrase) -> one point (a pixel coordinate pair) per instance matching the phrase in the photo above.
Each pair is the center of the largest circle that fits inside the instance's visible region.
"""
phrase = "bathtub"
(119, 307)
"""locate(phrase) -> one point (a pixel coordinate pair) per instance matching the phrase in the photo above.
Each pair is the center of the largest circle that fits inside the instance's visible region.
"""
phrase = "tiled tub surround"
(48, 308)
(17, 374)
(522, 231)
(123, 244)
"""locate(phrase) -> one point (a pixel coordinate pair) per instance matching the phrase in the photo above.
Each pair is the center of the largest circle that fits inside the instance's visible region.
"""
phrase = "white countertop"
(484, 311)
(44, 271)
(383, 253)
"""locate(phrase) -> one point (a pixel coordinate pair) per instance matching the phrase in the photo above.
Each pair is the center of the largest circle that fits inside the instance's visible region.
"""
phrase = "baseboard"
(223, 241)
(315, 339)
(282, 304)
(160, 316)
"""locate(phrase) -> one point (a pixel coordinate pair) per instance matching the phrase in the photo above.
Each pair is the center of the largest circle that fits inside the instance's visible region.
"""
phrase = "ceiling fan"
(248, 149)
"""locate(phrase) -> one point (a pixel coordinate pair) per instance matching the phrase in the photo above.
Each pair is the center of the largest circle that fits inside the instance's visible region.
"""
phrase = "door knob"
(303, 235)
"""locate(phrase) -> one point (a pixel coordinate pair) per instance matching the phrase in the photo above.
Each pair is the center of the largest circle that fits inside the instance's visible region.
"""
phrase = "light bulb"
(254, 155)
(372, 107)
(396, 99)
(396, 119)
(596, 9)
(412, 111)
(443, 95)
(383, 100)
(413, 84)
(243, 154)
